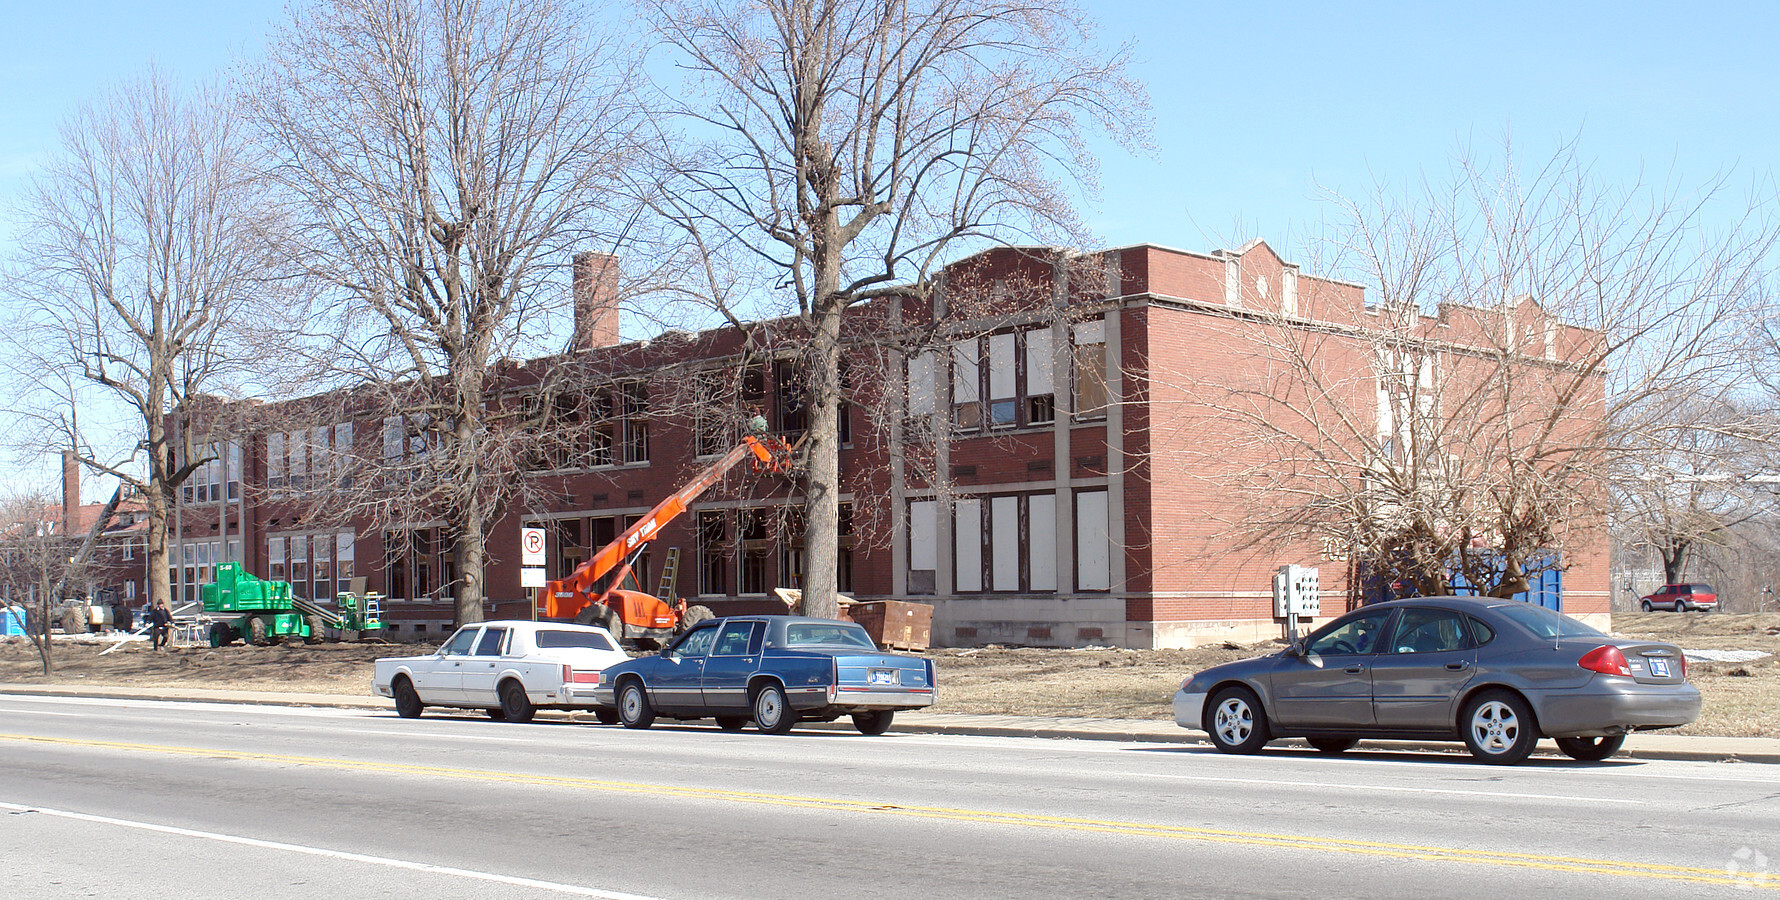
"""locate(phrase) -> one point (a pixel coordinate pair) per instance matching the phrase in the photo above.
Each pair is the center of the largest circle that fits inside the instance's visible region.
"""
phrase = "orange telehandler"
(604, 591)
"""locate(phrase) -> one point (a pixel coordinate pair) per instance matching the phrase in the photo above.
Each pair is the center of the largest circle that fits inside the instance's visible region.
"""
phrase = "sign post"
(531, 562)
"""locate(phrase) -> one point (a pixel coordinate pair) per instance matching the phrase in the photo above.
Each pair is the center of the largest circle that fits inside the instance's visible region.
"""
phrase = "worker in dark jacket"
(160, 620)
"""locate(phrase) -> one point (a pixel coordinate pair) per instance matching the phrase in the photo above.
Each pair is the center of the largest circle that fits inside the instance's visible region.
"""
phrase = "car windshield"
(805, 634)
(1544, 622)
(592, 640)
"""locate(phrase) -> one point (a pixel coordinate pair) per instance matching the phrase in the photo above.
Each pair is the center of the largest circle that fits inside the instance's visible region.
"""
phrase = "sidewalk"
(1656, 745)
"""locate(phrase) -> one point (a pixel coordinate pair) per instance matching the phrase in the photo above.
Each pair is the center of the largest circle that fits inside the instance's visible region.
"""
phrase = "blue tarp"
(12, 620)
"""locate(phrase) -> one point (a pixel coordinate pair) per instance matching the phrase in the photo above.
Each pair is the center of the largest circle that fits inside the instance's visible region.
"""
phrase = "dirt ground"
(1742, 697)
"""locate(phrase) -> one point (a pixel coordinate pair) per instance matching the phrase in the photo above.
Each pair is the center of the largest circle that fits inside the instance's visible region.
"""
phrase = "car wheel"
(876, 722)
(634, 710)
(772, 714)
(1332, 745)
(220, 635)
(1591, 749)
(1499, 728)
(515, 703)
(606, 716)
(1646, 606)
(732, 723)
(408, 704)
(1238, 724)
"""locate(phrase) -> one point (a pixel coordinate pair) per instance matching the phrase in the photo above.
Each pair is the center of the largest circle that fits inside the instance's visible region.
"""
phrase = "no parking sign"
(531, 546)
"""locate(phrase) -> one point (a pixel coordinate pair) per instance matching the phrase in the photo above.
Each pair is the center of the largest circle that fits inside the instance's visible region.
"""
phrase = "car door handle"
(1354, 669)
(1457, 666)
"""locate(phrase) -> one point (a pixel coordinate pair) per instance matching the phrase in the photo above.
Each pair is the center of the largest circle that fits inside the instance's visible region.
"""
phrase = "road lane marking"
(45, 712)
(1369, 788)
(987, 817)
(331, 854)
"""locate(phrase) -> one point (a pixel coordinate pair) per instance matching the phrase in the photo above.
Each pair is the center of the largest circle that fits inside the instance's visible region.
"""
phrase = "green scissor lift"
(242, 606)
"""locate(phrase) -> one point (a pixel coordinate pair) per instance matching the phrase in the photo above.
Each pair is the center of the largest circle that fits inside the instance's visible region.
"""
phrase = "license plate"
(885, 676)
(1659, 668)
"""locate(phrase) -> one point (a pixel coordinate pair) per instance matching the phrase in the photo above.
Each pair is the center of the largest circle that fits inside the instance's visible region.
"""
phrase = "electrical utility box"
(1295, 592)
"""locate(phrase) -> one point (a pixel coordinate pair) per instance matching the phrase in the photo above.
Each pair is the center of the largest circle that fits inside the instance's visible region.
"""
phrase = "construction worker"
(160, 623)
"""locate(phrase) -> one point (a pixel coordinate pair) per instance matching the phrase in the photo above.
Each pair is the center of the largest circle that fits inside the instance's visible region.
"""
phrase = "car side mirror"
(1295, 648)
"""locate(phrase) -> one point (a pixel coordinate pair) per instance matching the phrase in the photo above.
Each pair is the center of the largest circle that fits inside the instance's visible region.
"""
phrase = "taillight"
(1606, 660)
(568, 674)
(1683, 663)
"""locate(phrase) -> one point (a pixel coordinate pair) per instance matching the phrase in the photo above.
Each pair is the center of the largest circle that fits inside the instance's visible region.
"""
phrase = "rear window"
(592, 640)
(1697, 589)
(805, 634)
(1544, 622)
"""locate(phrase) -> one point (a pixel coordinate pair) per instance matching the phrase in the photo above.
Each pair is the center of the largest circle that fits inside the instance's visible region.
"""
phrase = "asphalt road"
(116, 798)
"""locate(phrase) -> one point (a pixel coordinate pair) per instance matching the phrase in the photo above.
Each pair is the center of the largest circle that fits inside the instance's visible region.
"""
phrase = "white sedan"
(509, 668)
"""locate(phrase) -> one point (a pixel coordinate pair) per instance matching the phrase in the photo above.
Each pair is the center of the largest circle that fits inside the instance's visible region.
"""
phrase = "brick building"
(42, 539)
(1028, 477)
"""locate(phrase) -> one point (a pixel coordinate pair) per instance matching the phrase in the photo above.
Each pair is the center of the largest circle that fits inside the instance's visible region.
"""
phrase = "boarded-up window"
(1042, 530)
(1093, 552)
(1004, 543)
(967, 538)
(1003, 404)
(921, 385)
(1090, 370)
(1041, 404)
(967, 412)
(923, 546)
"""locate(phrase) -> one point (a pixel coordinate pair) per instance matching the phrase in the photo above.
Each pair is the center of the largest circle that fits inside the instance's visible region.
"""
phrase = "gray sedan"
(1496, 674)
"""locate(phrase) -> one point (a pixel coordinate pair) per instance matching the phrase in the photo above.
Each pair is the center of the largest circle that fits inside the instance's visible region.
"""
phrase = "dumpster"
(895, 624)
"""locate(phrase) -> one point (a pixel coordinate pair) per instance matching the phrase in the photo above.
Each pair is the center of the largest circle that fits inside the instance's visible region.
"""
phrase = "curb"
(1038, 728)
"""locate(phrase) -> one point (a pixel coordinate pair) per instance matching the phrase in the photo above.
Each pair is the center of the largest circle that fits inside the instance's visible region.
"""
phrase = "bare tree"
(1467, 424)
(846, 148)
(442, 160)
(143, 244)
(33, 560)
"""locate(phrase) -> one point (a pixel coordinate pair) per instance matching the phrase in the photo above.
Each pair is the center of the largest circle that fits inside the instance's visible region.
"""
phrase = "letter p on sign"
(531, 546)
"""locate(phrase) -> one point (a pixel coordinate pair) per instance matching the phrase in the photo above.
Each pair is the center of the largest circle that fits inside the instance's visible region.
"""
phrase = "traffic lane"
(676, 843)
(1279, 791)
(701, 744)
(53, 853)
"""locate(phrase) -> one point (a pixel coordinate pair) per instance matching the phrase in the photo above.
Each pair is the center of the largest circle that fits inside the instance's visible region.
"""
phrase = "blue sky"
(1255, 104)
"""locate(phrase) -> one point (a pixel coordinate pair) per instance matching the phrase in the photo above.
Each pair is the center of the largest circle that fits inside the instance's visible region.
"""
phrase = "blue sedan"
(775, 671)
(1496, 674)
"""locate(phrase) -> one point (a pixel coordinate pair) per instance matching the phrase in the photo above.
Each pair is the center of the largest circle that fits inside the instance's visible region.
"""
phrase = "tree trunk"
(822, 509)
(470, 550)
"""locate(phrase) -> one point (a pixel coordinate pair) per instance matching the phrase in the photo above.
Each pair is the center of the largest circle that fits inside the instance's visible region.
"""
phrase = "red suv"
(1681, 597)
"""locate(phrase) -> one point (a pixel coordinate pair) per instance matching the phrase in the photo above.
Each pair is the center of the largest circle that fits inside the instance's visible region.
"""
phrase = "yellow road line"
(1139, 829)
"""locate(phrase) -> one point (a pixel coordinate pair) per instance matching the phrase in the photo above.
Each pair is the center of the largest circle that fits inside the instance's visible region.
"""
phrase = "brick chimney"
(596, 301)
(70, 492)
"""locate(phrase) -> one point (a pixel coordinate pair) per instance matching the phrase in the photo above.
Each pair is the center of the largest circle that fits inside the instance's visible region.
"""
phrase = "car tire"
(1646, 606)
(1332, 745)
(732, 723)
(221, 635)
(1236, 723)
(517, 706)
(875, 722)
(1591, 749)
(1499, 729)
(772, 712)
(634, 710)
(256, 632)
(606, 716)
(408, 704)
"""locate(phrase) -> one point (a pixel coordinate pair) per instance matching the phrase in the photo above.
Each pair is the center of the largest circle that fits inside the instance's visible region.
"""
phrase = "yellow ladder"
(670, 570)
